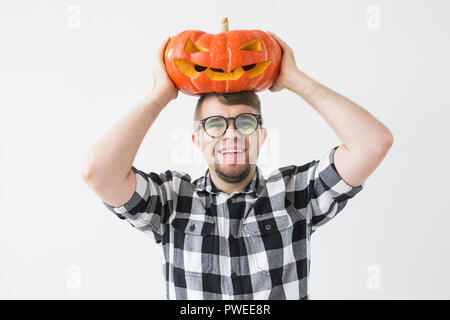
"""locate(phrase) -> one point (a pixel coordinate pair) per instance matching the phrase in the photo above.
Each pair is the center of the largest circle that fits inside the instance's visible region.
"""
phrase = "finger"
(275, 36)
(283, 44)
(160, 51)
(272, 88)
(161, 48)
(165, 42)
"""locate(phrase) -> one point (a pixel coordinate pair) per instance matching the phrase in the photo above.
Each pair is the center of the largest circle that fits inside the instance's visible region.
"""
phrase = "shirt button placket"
(234, 275)
(224, 213)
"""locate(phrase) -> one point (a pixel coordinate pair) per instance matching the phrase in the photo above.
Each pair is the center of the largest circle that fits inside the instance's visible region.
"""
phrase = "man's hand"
(163, 85)
(288, 66)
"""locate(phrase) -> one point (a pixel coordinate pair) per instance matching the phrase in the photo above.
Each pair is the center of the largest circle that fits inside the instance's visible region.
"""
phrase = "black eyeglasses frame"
(257, 116)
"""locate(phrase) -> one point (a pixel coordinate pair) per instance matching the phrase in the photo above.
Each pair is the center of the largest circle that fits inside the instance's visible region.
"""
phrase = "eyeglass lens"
(246, 124)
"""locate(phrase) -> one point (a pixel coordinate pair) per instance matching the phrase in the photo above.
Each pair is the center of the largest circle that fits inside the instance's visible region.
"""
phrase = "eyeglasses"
(245, 124)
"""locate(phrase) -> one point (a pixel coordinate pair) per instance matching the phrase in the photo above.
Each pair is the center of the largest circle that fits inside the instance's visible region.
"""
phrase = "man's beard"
(234, 177)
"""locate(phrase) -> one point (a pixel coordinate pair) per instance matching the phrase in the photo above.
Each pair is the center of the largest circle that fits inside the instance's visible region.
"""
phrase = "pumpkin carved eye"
(254, 45)
(191, 47)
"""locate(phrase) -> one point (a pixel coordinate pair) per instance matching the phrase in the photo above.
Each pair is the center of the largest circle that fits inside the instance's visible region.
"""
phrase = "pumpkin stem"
(224, 25)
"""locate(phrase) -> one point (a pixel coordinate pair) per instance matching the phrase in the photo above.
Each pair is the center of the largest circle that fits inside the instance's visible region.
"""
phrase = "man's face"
(235, 166)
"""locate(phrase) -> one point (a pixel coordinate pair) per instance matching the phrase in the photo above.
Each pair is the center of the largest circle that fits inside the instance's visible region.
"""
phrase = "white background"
(69, 70)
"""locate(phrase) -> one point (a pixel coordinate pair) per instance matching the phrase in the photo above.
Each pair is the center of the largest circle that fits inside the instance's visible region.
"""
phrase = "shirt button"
(234, 276)
(192, 227)
(268, 227)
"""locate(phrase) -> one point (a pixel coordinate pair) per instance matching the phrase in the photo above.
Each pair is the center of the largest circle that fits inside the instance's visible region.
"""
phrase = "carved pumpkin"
(230, 61)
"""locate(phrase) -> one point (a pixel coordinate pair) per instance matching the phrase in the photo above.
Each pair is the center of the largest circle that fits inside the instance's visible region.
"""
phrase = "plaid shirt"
(251, 244)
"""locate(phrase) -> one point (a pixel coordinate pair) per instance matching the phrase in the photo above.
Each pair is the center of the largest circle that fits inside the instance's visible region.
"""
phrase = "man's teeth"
(231, 151)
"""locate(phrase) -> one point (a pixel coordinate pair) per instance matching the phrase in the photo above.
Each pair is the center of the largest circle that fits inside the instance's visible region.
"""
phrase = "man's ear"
(263, 135)
(195, 139)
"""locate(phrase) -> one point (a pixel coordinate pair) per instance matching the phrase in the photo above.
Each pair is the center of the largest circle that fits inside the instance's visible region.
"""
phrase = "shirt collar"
(255, 186)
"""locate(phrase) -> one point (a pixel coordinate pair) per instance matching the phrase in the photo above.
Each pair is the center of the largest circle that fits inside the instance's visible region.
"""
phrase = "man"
(232, 234)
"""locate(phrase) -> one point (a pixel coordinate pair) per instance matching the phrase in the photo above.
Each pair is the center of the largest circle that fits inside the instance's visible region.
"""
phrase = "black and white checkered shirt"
(251, 244)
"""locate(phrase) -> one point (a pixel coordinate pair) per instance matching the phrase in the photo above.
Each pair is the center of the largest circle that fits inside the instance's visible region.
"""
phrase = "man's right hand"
(163, 85)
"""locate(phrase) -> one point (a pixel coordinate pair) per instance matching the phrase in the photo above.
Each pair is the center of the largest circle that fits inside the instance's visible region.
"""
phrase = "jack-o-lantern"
(230, 61)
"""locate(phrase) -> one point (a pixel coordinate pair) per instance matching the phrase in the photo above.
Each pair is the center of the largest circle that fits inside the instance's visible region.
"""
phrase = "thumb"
(160, 51)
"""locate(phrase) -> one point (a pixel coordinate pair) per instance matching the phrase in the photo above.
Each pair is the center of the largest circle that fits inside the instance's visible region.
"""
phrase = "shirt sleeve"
(328, 193)
(150, 205)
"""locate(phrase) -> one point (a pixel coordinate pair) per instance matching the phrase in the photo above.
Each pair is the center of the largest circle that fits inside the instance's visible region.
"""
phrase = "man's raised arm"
(366, 140)
(107, 169)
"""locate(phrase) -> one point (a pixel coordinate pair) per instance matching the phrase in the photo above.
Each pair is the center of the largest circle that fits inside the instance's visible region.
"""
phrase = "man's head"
(231, 167)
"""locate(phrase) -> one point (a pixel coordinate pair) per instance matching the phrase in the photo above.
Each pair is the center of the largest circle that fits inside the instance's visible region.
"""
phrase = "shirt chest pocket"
(268, 241)
(194, 241)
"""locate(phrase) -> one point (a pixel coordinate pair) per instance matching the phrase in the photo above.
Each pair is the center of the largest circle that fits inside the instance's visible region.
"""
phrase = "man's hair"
(248, 98)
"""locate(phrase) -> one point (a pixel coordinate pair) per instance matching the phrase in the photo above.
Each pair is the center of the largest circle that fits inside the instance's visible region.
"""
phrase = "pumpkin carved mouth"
(194, 70)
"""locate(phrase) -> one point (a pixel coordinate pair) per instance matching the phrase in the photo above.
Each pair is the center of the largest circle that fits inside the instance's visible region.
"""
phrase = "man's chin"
(232, 173)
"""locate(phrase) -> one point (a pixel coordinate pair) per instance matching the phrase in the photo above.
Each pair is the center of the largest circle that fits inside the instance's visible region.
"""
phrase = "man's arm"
(366, 140)
(107, 169)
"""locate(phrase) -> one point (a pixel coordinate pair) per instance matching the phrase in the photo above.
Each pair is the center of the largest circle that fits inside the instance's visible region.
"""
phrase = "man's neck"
(229, 188)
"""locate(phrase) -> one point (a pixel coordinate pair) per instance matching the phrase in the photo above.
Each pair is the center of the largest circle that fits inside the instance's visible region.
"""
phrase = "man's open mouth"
(231, 151)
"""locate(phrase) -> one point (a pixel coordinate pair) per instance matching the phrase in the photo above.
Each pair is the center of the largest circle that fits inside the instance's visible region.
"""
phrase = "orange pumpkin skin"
(231, 61)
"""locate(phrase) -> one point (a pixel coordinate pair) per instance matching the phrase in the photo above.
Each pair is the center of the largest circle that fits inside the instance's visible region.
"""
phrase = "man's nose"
(231, 131)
